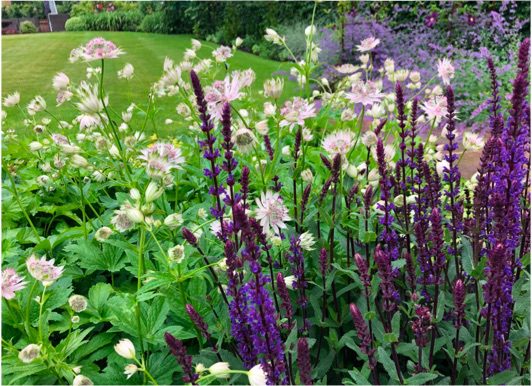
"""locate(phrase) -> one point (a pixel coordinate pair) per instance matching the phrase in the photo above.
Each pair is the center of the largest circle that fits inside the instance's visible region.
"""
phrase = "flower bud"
(220, 370)
(125, 349)
(153, 192)
(174, 220)
(29, 353)
(103, 234)
(78, 303)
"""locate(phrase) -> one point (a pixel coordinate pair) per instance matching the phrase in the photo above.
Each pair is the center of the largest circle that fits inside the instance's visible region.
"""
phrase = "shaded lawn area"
(30, 61)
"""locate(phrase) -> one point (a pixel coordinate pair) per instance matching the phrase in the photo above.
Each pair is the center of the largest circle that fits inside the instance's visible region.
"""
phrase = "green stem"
(41, 304)
(140, 263)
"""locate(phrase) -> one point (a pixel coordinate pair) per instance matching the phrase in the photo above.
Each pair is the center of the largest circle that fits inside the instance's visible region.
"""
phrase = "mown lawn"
(30, 61)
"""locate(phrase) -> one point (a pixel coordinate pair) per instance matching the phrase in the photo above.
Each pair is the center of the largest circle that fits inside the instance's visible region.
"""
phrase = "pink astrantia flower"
(445, 71)
(228, 90)
(11, 283)
(368, 44)
(296, 111)
(367, 93)
(435, 108)
(160, 158)
(271, 212)
(222, 53)
(43, 270)
(96, 49)
(338, 143)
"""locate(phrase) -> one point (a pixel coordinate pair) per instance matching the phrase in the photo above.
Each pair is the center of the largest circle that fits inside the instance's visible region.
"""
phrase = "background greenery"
(30, 61)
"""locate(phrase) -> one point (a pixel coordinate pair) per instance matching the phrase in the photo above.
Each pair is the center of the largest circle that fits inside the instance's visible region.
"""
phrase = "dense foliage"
(328, 239)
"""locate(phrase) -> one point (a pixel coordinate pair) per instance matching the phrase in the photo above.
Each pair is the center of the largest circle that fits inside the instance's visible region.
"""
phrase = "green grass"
(30, 62)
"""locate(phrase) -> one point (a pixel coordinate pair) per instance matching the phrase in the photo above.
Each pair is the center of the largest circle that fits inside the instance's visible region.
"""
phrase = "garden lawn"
(30, 61)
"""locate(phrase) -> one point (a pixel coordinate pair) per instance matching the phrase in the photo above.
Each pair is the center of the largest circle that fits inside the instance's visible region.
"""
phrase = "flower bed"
(267, 242)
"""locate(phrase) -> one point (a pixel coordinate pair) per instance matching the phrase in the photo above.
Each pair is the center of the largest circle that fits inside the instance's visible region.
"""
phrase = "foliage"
(328, 238)
(153, 22)
(27, 27)
(20, 9)
(75, 23)
(113, 21)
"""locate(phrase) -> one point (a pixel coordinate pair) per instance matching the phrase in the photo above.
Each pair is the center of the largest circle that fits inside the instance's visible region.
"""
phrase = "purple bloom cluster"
(390, 296)
(179, 351)
(303, 362)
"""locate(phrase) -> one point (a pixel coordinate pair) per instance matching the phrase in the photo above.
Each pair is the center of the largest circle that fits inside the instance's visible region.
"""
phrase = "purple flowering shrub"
(328, 238)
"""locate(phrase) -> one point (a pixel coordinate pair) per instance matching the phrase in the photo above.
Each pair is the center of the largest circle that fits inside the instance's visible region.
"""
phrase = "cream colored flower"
(125, 349)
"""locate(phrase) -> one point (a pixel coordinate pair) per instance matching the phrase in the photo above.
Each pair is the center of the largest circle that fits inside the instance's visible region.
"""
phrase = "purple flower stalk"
(189, 236)
(388, 235)
(422, 325)
(366, 340)
(209, 152)
(459, 294)
(297, 265)
(268, 144)
(198, 321)
(303, 362)
(390, 296)
(230, 163)
(451, 175)
(286, 304)
(178, 349)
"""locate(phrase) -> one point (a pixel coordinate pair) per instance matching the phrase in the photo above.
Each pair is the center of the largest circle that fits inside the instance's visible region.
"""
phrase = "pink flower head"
(43, 270)
(296, 111)
(99, 48)
(222, 53)
(367, 93)
(338, 143)
(226, 91)
(445, 71)
(435, 108)
(271, 212)
(368, 44)
(160, 158)
(11, 283)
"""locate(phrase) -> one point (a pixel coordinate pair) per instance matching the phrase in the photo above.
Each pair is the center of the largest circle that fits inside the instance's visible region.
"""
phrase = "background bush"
(75, 23)
(27, 27)
(153, 23)
(113, 21)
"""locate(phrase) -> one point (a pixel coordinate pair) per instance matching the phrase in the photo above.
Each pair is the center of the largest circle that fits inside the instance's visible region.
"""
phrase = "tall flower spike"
(390, 296)
(198, 321)
(363, 271)
(179, 351)
(363, 334)
(189, 236)
(459, 298)
(286, 304)
(303, 362)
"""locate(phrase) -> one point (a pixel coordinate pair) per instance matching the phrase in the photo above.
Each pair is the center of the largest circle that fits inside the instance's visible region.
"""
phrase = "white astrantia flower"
(273, 37)
(257, 376)
(244, 139)
(273, 88)
(339, 142)
(78, 303)
(177, 253)
(126, 72)
(60, 81)
(307, 176)
(220, 370)
(103, 234)
(472, 141)
(36, 104)
(81, 380)
(289, 281)
(125, 349)
(12, 99)
(153, 192)
(306, 241)
(29, 353)
(368, 44)
(130, 370)
(271, 212)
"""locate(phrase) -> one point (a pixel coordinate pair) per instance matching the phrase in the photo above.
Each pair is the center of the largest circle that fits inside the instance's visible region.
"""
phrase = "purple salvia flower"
(323, 262)
(388, 235)
(277, 185)
(268, 144)
(411, 272)
(363, 334)
(390, 296)
(437, 254)
(303, 362)
(459, 294)
(297, 144)
(286, 304)
(198, 321)
(244, 183)
(326, 162)
(363, 271)
(304, 200)
(297, 265)
(230, 163)
(421, 325)
(189, 236)
(179, 351)
(451, 175)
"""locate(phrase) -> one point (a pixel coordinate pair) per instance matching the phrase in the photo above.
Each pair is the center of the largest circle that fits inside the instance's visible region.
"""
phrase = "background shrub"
(27, 27)
(75, 23)
(153, 23)
(113, 21)
(23, 9)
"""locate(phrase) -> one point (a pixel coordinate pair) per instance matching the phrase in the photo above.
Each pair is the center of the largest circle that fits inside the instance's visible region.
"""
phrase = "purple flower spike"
(198, 321)
(178, 349)
(363, 334)
(303, 362)
(189, 236)
(459, 298)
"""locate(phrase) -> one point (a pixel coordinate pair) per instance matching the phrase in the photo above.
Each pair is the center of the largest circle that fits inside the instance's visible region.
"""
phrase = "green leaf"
(399, 263)
(508, 377)
(420, 379)
(391, 337)
(384, 358)
(467, 256)
(358, 378)
(396, 323)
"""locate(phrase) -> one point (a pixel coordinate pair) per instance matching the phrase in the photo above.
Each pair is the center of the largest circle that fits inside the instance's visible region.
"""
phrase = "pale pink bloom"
(63, 96)
(126, 72)
(60, 139)
(160, 158)
(222, 53)
(368, 44)
(367, 93)
(11, 283)
(60, 81)
(271, 212)
(97, 49)
(435, 108)
(226, 91)
(338, 143)
(88, 121)
(295, 112)
(346, 68)
(43, 270)
(121, 221)
(445, 71)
